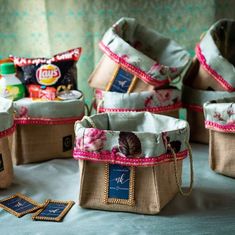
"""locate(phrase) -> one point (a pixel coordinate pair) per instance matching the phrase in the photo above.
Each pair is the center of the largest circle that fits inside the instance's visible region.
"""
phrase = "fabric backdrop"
(41, 28)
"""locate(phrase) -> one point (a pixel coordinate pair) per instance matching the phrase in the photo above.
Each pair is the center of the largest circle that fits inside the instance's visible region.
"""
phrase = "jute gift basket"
(163, 101)
(124, 155)
(7, 127)
(137, 60)
(220, 120)
(212, 70)
(45, 129)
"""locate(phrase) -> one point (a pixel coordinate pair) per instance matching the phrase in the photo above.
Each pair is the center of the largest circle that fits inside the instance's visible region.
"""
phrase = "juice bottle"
(10, 86)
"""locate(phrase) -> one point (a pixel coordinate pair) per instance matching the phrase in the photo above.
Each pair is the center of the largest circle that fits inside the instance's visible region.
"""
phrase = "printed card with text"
(119, 184)
(53, 210)
(19, 205)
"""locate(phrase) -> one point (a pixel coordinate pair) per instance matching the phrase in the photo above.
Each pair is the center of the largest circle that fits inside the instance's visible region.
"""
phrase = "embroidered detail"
(119, 184)
(211, 71)
(53, 210)
(131, 68)
(219, 127)
(112, 157)
(1, 163)
(8, 131)
(160, 109)
(19, 205)
(47, 121)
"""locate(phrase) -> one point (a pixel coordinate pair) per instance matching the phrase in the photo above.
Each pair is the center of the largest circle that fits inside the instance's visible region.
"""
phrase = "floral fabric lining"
(134, 47)
(130, 147)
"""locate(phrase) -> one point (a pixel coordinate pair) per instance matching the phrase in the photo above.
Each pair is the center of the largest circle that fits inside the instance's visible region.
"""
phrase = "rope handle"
(89, 120)
(97, 107)
(188, 192)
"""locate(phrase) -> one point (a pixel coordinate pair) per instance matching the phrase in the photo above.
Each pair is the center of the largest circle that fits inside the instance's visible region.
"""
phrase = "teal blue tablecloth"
(209, 210)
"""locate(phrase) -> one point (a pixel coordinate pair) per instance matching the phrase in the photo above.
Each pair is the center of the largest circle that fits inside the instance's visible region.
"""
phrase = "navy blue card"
(119, 182)
(19, 205)
(53, 210)
(122, 81)
(1, 163)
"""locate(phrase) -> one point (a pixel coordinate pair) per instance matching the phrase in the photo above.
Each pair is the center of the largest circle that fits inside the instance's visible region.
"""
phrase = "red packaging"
(41, 92)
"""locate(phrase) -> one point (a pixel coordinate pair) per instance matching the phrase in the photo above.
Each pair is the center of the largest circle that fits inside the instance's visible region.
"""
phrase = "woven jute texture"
(103, 73)
(6, 168)
(222, 153)
(154, 187)
(36, 143)
(198, 132)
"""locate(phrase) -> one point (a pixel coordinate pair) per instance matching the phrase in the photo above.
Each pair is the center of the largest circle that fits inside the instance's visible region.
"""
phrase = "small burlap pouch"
(45, 129)
(162, 101)
(136, 59)
(212, 70)
(130, 161)
(220, 120)
(7, 127)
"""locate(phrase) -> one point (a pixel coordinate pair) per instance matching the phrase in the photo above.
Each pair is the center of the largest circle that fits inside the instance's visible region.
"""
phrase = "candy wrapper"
(56, 71)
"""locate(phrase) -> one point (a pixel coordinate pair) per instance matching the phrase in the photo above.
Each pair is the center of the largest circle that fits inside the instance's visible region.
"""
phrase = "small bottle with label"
(10, 86)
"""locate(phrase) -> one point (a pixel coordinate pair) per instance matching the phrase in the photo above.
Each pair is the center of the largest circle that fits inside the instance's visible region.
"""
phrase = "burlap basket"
(161, 101)
(144, 57)
(220, 120)
(45, 130)
(212, 70)
(193, 100)
(124, 155)
(6, 129)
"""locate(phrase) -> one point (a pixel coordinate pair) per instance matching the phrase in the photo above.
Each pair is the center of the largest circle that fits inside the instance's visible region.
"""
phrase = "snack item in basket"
(41, 92)
(58, 70)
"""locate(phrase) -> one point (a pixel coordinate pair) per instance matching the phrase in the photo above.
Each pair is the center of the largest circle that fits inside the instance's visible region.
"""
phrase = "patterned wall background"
(41, 28)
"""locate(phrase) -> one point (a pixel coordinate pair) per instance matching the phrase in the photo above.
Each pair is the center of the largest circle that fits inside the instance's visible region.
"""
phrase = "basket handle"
(89, 120)
(188, 192)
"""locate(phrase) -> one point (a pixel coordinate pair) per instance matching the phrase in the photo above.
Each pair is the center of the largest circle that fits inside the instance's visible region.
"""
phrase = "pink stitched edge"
(114, 159)
(211, 71)
(8, 131)
(193, 107)
(131, 68)
(46, 121)
(148, 109)
(218, 127)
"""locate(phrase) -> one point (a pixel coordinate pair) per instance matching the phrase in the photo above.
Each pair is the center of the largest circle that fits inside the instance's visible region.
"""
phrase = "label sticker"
(67, 143)
(1, 163)
(53, 210)
(122, 81)
(48, 74)
(19, 205)
(119, 184)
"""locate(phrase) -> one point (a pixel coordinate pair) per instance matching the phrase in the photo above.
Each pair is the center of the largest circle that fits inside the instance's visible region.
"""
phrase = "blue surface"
(122, 81)
(210, 209)
(119, 181)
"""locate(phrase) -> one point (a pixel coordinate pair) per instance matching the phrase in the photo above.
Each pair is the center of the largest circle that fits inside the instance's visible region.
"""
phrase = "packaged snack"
(58, 70)
(41, 92)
